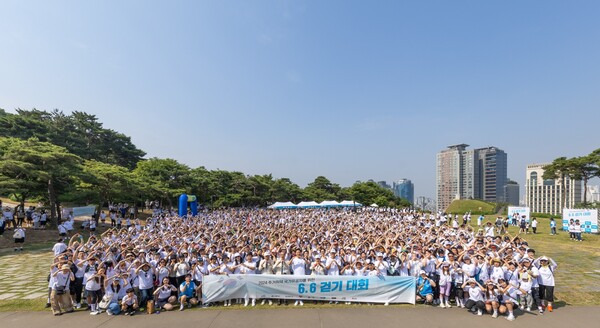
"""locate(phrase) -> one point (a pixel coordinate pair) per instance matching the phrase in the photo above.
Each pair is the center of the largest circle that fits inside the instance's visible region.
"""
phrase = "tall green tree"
(35, 168)
(583, 168)
(108, 182)
(322, 189)
(163, 178)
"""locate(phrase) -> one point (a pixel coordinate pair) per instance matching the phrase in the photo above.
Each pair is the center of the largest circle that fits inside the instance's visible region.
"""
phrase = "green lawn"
(461, 206)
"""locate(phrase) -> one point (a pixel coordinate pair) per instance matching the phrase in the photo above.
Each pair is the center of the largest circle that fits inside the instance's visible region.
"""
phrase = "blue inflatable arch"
(184, 200)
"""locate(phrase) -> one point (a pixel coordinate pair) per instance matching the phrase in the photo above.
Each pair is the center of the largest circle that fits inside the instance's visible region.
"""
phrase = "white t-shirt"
(334, 269)
(475, 294)
(546, 276)
(59, 248)
(298, 266)
(146, 279)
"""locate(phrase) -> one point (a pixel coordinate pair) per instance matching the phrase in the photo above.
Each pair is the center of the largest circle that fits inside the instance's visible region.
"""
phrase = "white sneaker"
(510, 317)
(94, 313)
(386, 303)
(78, 306)
(448, 305)
(522, 307)
(442, 305)
(296, 303)
(109, 313)
(479, 312)
(495, 315)
(462, 306)
(348, 303)
(528, 309)
(301, 303)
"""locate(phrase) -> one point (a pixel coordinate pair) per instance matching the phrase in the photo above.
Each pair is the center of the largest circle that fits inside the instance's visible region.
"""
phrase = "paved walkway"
(571, 317)
(23, 275)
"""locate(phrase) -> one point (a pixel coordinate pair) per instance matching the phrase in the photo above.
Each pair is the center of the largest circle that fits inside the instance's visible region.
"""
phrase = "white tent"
(374, 205)
(350, 203)
(329, 203)
(280, 205)
(311, 204)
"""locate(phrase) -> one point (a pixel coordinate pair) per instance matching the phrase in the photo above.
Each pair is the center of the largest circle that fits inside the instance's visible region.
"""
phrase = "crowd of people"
(159, 265)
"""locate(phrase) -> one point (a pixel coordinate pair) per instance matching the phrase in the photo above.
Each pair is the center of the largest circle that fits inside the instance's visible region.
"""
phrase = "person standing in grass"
(552, 226)
(534, 225)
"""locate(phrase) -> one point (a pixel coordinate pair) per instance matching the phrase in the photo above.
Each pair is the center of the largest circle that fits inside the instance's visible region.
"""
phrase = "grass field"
(577, 275)
(462, 206)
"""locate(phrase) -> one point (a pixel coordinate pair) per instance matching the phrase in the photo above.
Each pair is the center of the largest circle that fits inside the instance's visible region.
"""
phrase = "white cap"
(422, 272)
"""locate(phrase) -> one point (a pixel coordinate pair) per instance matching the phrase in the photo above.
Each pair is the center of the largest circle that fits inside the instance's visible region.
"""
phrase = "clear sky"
(351, 90)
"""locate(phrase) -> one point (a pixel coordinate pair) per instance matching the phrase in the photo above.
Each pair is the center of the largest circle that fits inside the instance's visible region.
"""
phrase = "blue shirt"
(189, 291)
(426, 286)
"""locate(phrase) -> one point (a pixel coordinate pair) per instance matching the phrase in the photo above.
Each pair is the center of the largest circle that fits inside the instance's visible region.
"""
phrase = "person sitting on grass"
(129, 304)
(186, 293)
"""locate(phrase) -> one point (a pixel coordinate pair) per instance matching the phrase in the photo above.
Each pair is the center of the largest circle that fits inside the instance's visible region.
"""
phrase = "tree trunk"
(585, 181)
(52, 200)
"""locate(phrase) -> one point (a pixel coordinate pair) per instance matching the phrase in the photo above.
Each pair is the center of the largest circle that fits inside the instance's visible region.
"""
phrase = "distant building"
(405, 189)
(593, 194)
(470, 174)
(511, 192)
(492, 168)
(545, 196)
(384, 184)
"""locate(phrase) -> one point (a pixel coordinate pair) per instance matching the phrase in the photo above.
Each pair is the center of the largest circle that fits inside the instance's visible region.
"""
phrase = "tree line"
(57, 158)
(581, 168)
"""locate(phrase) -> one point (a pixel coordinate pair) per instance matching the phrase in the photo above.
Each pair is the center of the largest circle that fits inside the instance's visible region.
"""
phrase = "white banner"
(520, 211)
(374, 289)
(587, 218)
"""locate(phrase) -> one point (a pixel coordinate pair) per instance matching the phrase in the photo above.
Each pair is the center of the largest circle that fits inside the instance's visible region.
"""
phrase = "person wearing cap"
(532, 271)
(497, 271)
(524, 282)
(425, 287)
(445, 284)
(187, 289)
(129, 304)
(475, 291)
(510, 294)
(546, 267)
(490, 297)
(60, 298)
(93, 289)
(317, 267)
(115, 290)
(381, 264)
(146, 275)
(182, 268)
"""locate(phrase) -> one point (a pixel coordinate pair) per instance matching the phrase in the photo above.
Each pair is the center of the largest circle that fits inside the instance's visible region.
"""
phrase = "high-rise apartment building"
(470, 174)
(511, 193)
(546, 196)
(492, 173)
(404, 188)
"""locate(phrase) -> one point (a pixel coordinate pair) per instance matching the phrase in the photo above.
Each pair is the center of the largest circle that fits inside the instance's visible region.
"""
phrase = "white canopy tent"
(329, 203)
(350, 203)
(374, 205)
(311, 204)
(280, 205)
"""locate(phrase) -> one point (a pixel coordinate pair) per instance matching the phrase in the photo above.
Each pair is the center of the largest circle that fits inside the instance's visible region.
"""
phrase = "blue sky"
(351, 90)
